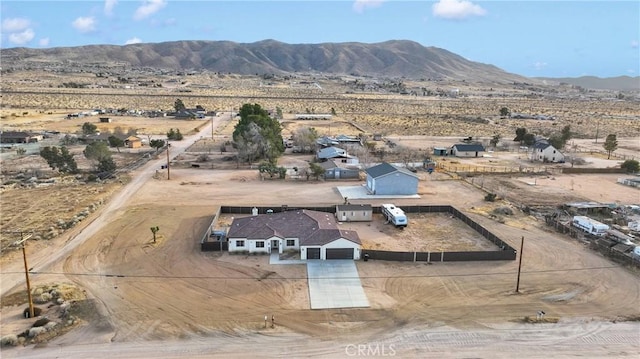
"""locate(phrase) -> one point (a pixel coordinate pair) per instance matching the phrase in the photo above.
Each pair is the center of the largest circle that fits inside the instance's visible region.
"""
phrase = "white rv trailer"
(590, 226)
(394, 215)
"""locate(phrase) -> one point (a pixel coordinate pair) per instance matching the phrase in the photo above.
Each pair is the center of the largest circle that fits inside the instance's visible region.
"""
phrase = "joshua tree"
(154, 230)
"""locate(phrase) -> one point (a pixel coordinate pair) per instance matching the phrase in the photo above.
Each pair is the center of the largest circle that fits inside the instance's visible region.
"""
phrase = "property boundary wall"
(506, 252)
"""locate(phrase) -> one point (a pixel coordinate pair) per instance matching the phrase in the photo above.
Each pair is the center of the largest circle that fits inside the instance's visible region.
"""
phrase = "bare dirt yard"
(125, 295)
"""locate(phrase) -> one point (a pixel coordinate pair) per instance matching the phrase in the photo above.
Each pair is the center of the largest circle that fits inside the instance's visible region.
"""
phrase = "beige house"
(354, 212)
(133, 142)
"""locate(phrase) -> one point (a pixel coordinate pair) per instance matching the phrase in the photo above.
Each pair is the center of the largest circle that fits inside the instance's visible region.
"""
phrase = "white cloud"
(148, 8)
(360, 6)
(133, 40)
(539, 65)
(44, 41)
(457, 9)
(84, 24)
(634, 44)
(109, 5)
(21, 38)
(16, 24)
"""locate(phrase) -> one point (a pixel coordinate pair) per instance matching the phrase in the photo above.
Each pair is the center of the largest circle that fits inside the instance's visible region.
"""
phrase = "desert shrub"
(203, 158)
(42, 298)
(34, 332)
(490, 197)
(41, 322)
(631, 166)
(9, 340)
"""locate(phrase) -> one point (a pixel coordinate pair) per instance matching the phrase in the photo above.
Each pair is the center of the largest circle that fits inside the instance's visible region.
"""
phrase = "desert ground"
(136, 298)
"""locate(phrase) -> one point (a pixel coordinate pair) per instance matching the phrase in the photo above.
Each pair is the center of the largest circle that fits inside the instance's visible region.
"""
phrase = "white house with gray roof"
(315, 234)
(544, 152)
(387, 179)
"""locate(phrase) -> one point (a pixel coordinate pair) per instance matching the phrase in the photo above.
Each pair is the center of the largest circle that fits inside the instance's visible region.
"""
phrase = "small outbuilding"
(354, 212)
(467, 150)
(387, 179)
(133, 142)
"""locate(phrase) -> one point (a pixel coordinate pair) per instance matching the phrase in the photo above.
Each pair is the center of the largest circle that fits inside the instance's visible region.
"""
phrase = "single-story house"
(326, 141)
(336, 153)
(333, 171)
(354, 212)
(315, 234)
(387, 179)
(440, 151)
(348, 140)
(542, 151)
(133, 142)
(467, 150)
(19, 137)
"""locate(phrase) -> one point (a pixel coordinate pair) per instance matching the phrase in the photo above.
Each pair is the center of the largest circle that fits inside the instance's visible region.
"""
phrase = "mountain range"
(389, 59)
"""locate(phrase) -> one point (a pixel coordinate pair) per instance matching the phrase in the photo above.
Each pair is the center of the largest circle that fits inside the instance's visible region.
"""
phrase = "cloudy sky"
(530, 38)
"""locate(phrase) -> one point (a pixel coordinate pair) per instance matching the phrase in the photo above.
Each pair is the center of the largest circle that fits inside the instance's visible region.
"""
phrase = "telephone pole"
(168, 161)
(519, 266)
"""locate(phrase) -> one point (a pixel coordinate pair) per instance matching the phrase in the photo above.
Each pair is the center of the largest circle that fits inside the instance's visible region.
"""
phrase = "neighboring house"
(133, 142)
(386, 179)
(326, 141)
(19, 137)
(467, 150)
(188, 114)
(348, 140)
(542, 151)
(105, 119)
(336, 153)
(354, 212)
(315, 234)
(333, 171)
(440, 151)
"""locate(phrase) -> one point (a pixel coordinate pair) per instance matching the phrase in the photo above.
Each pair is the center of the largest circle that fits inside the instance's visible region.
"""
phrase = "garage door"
(339, 253)
(313, 253)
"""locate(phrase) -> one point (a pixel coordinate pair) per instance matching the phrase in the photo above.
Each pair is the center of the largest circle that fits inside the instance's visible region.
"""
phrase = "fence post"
(428, 257)
(414, 256)
(441, 256)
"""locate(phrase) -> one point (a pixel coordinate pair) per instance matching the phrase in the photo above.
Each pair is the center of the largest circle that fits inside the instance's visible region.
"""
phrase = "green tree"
(60, 159)
(157, 144)
(495, 139)
(174, 135)
(97, 151)
(89, 128)
(20, 151)
(566, 134)
(316, 170)
(529, 139)
(556, 141)
(520, 132)
(610, 144)
(179, 105)
(106, 164)
(154, 230)
(631, 166)
(305, 138)
(258, 133)
(116, 142)
(279, 113)
(504, 112)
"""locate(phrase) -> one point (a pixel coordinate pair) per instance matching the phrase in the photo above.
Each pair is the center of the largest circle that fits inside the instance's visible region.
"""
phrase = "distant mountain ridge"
(392, 59)
(619, 83)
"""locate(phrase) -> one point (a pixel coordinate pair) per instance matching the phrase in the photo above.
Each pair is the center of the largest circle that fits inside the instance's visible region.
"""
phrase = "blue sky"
(530, 38)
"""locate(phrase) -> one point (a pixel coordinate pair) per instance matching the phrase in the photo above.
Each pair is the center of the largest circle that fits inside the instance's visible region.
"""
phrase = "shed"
(440, 151)
(333, 171)
(354, 212)
(105, 119)
(387, 179)
(467, 150)
(133, 142)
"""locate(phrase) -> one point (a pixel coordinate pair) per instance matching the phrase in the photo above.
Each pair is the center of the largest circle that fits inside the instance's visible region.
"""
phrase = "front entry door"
(274, 244)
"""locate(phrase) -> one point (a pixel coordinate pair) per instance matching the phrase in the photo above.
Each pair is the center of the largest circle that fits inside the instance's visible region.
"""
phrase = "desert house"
(542, 151)
(19, 137)
(105, 119)
(336, 153)
(333, 170)
(387, 179)
(133, 142)
(354, 212)
(467, 150)
(315, 234)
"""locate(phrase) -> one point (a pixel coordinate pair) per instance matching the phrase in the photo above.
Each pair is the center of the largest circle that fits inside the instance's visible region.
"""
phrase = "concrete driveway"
(335, 284)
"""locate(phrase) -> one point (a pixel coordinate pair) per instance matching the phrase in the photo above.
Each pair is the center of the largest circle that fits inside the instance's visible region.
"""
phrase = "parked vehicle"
(590, 226)
(394, 215)
(619, 237)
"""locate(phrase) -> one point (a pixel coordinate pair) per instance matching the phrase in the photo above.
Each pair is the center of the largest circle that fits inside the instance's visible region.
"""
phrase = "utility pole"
(168, 162)
(597, 130)
(519, 266)
(26, 273)
(212, 127)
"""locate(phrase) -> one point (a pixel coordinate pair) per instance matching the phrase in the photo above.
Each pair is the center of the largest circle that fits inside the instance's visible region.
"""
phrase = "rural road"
(13, 274)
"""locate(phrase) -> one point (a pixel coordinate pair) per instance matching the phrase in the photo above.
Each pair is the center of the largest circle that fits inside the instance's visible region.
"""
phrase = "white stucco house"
(315, 234)
(542, 151)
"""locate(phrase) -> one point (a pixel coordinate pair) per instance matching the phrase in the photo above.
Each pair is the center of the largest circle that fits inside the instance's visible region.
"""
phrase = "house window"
(353, 214)
(291, 242)
(239, 243)
(260, 244)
